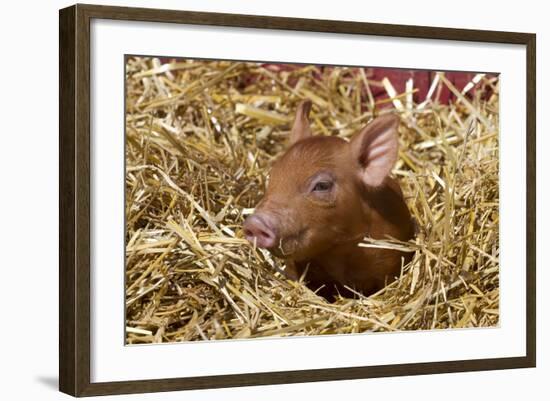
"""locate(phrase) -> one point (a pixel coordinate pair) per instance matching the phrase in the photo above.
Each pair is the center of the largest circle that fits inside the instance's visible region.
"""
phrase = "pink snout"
(259, 228)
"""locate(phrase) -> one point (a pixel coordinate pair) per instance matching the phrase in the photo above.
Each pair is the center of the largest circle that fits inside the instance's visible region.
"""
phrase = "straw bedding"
(200, 136)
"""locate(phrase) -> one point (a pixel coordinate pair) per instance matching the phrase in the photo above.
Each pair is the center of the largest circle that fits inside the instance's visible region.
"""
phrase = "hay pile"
(200, 137)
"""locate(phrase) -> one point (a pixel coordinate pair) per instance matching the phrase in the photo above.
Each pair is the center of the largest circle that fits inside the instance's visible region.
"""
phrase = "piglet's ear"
(301, 128)
(375, 148)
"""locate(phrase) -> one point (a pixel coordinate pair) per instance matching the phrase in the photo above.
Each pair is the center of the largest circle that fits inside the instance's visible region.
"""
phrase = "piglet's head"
(317, 190)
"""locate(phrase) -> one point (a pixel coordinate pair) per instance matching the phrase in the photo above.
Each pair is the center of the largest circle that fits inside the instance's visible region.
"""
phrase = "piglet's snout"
(260, 228)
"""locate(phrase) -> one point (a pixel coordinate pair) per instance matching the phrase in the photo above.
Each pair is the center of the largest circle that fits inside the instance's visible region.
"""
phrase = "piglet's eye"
(322, 186)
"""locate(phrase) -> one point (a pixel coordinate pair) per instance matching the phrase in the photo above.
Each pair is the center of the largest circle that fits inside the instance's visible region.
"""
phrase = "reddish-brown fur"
(323, 197)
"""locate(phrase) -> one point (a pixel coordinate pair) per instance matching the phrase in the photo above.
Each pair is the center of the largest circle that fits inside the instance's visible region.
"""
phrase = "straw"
(200, 137)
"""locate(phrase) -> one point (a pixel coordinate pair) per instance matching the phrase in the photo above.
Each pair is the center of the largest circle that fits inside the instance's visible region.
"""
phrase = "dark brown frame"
(74, 199)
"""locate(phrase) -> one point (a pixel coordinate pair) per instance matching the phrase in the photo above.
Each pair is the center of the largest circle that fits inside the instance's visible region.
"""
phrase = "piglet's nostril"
(258, 230)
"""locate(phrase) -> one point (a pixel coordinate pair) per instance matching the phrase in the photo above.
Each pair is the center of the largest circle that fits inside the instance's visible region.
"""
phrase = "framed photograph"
(250, 200)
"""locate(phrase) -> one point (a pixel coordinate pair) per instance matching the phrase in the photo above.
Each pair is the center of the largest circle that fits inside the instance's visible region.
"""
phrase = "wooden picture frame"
(74, 199)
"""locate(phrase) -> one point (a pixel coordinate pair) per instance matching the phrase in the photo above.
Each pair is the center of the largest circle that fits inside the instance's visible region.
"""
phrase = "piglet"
(324, 195)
